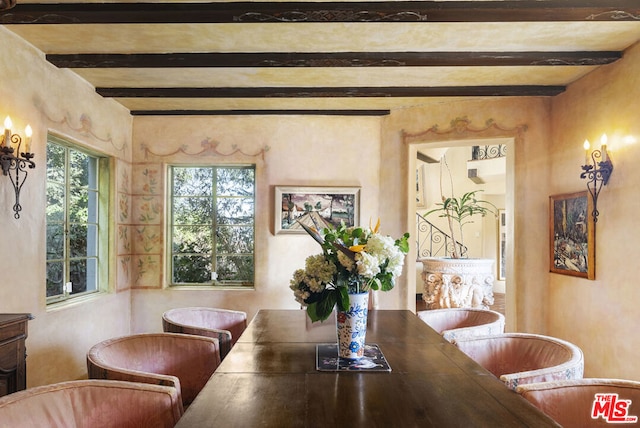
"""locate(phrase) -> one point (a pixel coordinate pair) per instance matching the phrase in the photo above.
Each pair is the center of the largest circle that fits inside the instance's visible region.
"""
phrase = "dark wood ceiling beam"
(329, 59)
(383, 11)
(259, 112)
(331, 92)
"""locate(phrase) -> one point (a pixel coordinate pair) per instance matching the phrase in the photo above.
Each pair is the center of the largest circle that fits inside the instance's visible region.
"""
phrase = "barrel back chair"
(521, 358)
(460, 323)
(92, 403)
(223, 324)
(183, 361)
(587, 402)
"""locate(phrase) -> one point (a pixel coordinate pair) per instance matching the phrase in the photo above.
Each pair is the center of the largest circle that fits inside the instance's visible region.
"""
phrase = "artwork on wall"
(572, 235)
(315, 207)
(420, 189)
(502, 245)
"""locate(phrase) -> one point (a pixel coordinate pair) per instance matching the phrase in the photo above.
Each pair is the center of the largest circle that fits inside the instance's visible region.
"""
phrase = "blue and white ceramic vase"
(352, 327)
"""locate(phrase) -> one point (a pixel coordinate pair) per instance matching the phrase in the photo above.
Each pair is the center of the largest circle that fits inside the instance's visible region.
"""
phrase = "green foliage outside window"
(212, 225)
(72, 230)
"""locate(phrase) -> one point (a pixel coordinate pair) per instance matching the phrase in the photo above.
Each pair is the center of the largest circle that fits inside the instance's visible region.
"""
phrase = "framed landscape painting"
(572, 235)
(316, 207)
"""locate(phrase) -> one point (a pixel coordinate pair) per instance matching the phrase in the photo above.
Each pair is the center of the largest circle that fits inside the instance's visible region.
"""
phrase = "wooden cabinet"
(13, 353)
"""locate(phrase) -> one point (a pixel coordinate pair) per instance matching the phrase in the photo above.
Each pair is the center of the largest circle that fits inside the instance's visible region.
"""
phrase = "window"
(77, 198)
(211, 227)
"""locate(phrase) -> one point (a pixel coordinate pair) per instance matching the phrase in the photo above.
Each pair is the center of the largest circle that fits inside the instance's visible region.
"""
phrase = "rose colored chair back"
(521, 358)
(92, 403)
(571, 402)
(223, 324)
(183, 361)
(460, 323)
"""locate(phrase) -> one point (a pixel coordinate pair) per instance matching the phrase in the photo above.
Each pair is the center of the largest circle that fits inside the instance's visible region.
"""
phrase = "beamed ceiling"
(351, 58)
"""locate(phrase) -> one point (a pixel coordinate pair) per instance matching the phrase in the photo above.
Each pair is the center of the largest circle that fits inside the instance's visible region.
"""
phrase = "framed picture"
(572, 235)
(502, 245)
(316, 207)
(420, 190)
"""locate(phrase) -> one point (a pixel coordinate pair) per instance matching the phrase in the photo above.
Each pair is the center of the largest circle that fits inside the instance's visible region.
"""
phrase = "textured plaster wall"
(33, 91)
(287, 151)
(601, 316)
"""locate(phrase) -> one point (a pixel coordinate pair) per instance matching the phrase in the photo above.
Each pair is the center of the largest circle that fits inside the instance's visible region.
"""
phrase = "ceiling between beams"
(353, 58)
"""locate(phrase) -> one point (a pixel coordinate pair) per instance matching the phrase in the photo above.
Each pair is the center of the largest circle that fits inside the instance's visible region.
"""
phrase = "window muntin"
(212, 225)
(77, 194)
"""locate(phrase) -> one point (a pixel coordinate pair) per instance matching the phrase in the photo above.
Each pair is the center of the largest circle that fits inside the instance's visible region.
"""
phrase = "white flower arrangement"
(353, 260)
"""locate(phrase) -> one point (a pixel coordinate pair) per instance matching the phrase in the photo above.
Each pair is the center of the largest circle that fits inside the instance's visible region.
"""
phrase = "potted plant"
(459, 211)
(457, 281)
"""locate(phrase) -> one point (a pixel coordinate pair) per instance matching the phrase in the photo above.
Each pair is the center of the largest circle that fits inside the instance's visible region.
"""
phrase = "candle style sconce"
(15, 162)
(596, 170)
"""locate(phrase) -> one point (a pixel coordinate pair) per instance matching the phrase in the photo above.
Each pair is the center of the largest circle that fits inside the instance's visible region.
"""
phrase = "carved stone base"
(457, 283)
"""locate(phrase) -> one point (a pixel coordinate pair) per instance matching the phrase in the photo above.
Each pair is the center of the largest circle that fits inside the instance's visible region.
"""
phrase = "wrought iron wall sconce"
(15, 162)
(597, 170)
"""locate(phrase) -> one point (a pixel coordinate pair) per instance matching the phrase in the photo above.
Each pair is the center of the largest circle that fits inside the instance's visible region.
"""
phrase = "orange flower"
(375, 229)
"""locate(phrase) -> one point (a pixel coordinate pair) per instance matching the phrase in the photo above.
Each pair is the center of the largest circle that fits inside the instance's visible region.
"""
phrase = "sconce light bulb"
(28, 131)
(586, 145)
(603, 147)
(7, 123)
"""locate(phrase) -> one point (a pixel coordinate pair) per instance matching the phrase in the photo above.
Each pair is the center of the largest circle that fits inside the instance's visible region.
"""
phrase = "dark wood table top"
(269, 379)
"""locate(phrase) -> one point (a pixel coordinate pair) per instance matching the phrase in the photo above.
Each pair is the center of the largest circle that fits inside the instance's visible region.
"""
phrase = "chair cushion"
(519, 358)
(222, 324)
(92, 403)
(184, 361)
(222, 319)
(459, 323)
(571, 402)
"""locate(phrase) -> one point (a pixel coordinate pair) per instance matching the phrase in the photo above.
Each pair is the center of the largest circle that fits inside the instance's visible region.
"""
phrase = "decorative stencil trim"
(460, 127)
(209, 148)
(85, 127)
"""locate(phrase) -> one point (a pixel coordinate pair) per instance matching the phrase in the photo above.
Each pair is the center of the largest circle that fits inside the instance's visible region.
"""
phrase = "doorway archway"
(462, 133)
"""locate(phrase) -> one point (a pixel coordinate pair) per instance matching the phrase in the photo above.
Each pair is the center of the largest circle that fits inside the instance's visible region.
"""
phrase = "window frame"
(103, 205)
(169, 253)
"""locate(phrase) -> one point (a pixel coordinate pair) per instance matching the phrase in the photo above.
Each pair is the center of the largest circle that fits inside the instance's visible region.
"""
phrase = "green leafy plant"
(459, 211)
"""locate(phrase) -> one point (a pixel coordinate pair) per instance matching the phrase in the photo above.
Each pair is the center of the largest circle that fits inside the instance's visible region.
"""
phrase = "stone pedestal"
(457, 283)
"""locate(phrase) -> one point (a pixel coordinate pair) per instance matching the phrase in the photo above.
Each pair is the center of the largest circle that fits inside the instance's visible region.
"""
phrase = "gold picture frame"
(572, 235)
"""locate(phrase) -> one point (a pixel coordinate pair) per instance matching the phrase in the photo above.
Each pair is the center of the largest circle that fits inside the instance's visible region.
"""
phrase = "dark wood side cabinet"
(13, 352)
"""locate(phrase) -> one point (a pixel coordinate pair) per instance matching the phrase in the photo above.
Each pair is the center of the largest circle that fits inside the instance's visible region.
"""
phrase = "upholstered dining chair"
(223, 324)
(460, 323)
(92, 403)
(588, 402)
(521, 358)
(183, 361)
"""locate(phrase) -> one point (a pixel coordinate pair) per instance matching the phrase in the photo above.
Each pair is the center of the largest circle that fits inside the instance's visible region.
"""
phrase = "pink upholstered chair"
(92, 403)
(521, 358)
(460, 323)
(223, 324)
(571, 402)
(183, 361)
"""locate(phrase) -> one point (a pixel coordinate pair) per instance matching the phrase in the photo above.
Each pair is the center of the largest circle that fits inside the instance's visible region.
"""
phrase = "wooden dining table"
(271, 379)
